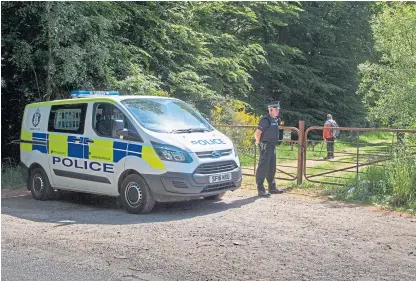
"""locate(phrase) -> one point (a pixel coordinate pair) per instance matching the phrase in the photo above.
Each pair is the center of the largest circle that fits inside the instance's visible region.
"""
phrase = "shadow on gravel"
(79, 208)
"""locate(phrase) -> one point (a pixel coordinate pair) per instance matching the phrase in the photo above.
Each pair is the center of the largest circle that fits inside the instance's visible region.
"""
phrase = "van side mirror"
(118, 129)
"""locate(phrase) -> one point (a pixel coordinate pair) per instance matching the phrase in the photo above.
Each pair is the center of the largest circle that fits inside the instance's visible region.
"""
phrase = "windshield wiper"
(189, 130)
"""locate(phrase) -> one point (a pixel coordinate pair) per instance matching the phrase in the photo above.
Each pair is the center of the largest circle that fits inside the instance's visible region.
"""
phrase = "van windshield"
(166, 115)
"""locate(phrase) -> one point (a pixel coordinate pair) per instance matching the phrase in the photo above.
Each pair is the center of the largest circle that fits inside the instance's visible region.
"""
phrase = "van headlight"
(235, 152)
(171, 153)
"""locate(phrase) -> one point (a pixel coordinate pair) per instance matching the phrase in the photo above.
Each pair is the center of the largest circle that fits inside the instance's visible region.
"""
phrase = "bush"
(11, 178)
(401, 176)
(393, 184)
(236, 114)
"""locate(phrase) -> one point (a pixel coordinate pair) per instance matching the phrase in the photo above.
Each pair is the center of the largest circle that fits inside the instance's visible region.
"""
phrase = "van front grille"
(209, 154)
(218, 186)
(216, 167)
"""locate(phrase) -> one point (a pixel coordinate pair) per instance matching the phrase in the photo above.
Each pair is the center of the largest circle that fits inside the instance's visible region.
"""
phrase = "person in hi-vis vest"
(329, 136)
(267, 136)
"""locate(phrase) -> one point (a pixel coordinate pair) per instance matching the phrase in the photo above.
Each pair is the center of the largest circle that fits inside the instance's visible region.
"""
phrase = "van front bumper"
(173, 186)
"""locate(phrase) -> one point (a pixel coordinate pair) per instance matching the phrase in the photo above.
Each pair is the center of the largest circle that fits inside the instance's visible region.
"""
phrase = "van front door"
(105, 148)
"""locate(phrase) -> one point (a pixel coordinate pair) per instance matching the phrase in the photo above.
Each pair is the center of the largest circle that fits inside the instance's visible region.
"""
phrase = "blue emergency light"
(87, 94)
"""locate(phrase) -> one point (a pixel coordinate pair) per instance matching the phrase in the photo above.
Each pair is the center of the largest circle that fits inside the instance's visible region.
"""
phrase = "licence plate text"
(220, 177)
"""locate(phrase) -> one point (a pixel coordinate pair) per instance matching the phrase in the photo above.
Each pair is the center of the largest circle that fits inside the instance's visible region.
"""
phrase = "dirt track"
(286, 237)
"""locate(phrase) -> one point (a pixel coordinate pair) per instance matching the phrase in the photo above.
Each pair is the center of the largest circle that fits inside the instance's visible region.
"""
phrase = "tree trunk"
(48, 79)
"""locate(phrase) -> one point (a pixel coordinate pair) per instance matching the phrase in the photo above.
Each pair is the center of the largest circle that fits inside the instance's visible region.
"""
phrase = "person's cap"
(275, 105)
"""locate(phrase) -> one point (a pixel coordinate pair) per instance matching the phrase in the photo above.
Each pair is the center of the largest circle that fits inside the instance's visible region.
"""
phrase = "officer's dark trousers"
(266, 168)
(330, 147)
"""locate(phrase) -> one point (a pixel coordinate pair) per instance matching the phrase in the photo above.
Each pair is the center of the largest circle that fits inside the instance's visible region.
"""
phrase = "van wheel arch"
(31, 168)
(124, 175)
(37, 173)
(132, 186)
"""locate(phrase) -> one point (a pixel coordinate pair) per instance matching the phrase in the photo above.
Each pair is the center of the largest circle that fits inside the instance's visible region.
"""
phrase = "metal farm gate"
(300, 153)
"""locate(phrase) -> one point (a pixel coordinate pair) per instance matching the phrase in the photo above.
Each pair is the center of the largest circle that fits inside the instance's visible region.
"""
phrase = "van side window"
(67, 118)
(104, 116)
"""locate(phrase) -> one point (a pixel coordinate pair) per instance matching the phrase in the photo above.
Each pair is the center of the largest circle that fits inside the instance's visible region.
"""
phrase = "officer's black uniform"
(267, 163)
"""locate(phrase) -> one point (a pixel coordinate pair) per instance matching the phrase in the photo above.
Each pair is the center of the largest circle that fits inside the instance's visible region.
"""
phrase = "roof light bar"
(86, 94)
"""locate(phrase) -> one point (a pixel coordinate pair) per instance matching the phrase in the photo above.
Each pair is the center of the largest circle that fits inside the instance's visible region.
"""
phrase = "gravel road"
(242, 237)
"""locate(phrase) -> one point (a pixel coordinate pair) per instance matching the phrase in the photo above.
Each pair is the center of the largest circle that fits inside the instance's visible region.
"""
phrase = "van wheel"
(39, 185)
(215, 197)
(135, 195)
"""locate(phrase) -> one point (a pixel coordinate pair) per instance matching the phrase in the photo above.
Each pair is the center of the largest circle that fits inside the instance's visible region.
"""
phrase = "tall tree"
(304, 54)
(312, 62)
(388, 85)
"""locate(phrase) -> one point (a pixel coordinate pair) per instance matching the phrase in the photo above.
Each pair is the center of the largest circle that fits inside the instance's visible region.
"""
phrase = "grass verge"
(11, 178)
(392, 185)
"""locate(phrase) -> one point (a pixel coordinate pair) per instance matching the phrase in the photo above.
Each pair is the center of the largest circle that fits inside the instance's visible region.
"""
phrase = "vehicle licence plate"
(220, 177)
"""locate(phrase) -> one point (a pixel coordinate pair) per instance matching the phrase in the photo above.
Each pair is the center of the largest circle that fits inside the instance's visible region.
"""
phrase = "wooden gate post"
(301, 152)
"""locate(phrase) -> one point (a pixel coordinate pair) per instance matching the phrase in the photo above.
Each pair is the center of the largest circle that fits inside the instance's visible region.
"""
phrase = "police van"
(141, 149)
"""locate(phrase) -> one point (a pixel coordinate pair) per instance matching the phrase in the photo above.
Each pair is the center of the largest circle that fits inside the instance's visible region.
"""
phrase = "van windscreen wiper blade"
(189, 130)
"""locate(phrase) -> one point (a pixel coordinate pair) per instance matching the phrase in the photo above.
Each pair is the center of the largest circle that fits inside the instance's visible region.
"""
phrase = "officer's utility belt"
(268, 143)
(264, 145)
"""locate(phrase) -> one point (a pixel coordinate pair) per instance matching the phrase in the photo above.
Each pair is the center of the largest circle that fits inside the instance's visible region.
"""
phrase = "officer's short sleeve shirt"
(264, 124)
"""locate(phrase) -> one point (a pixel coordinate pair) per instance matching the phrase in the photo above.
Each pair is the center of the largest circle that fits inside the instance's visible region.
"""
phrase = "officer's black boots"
(269, 193)
(264, 194)
(276, 191)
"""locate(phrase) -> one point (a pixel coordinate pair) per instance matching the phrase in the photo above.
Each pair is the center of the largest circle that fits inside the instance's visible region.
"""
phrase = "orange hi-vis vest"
(326, 134)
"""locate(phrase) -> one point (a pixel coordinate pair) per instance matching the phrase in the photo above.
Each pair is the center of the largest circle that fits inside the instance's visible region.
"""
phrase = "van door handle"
(89, 141)
(76, 139)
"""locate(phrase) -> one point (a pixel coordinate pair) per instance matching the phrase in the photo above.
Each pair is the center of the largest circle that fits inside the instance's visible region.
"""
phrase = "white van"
(141, 148)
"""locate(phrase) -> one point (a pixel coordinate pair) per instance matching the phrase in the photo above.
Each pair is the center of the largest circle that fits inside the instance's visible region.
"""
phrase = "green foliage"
(235, 113)
(11, 178)
(312, 62)
(389, 83)
(374, 137)
(393, 184)
(304, 54)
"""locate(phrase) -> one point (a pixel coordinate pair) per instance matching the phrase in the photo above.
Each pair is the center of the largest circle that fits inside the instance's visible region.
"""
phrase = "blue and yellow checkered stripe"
(37, 141)
(41, 142)
(100, 150)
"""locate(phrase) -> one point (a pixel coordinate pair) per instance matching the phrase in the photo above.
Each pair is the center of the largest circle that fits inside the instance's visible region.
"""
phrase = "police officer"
(267, 136)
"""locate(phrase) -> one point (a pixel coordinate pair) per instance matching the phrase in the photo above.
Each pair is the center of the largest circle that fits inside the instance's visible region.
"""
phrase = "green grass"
(310, 171)
(373, 137)
(11, 178)
(393, 185)
(287, 153)
(305, 185)
(246, 160)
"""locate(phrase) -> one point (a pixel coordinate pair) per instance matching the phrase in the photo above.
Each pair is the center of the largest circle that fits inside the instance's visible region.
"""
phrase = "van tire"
(39, 185)
(215, 197)
(135, 195)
